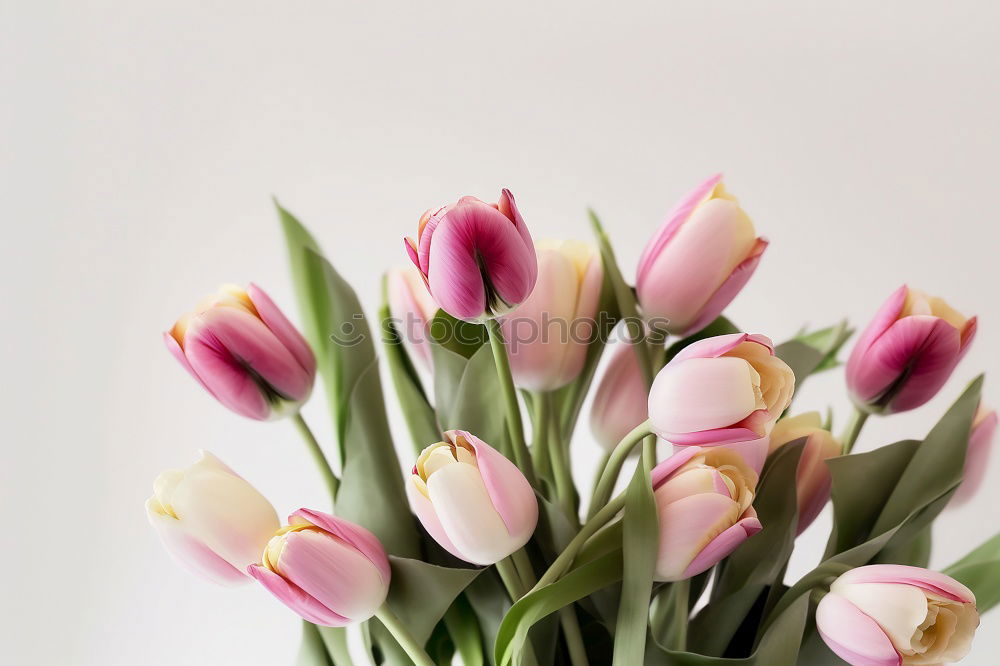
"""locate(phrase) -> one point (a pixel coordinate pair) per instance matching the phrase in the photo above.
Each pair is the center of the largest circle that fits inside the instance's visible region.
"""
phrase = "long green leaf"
(466, 393)
(312, 650)
(460, 621)
(421, 593)
(335, 640)
(980, 572)
(809, 353)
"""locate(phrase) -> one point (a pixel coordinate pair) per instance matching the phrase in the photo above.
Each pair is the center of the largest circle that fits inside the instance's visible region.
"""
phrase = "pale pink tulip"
(704, 499)
(894, 615)
(477, 258)
(699, 260)
(548, 335)
(210, 519)
(812, 481)
(907, 352)
(620, 400)
(328, 570)
(245, 353)
(413, 308)
(984, 428)
(473, 501)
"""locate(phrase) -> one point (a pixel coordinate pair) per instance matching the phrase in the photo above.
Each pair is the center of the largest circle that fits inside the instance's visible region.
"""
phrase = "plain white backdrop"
(142, 141)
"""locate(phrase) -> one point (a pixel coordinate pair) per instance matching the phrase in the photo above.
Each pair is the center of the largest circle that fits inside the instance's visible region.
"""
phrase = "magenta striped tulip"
(812, 480)
(721, 390)
(548, 335)
(474, 502)
(984, 428)
(620, 400)
(477, 258)
(211, 520)
(907, 352)
(328, 570)
(699, 260)
(704, 500)
(413, 308)
(895, 615)
(245, 353)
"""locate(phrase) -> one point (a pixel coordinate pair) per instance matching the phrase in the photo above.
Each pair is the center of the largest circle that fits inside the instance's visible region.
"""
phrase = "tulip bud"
(477, 258)
(474, 502)
(699, 260)
(907, 352)
(721, 390)
(242, 350)
(211, 520)
(413, 308)
(328, 570)
(548, 334)
(812, 481)
(897, 615)
(620, 400)
(704, 500)
(984, 428)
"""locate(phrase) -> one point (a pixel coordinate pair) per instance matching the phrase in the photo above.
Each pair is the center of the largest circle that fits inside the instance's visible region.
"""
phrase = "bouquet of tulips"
(485, 550)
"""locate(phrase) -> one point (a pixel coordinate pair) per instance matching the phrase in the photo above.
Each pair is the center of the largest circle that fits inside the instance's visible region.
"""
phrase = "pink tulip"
(620, 400)
(548, 335)
(328, 570)
(211, 520)
(243, 351)
(704, 500)
(984, 428)
(477, 258)
(907, 352)
(413, 308)
(894, 615)
(474, 502)
(721, 390)
(699, 260)
(812, 481)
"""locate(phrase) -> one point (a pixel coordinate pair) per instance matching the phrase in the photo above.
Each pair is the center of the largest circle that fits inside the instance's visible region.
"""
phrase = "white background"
(141, 142)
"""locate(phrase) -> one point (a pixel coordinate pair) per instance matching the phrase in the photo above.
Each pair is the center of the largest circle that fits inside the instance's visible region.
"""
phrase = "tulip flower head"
(704, 500)
(210, 519)
(245, 353)
(894, 615)
(699, 260)
(328, 570)
(984, 428)
(413, 308)
(477, 258)
(620, 400)
(907, 352)
(548, 334)
(473, 501)
(720, 390)
(812, 481)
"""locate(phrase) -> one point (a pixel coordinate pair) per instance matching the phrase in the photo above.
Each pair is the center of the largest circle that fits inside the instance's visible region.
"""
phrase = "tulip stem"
(514, 425)
(540, 443)
(566, 557)
(560, 465)
(606, 483)
(681, 592)
(853, 429)
(567, 616)
(332, 482)
(403, 636)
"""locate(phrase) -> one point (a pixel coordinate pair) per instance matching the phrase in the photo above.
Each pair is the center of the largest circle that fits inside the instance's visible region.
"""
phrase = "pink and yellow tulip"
(413, 308)
(812, 481)
(620, 400)
(977, 458)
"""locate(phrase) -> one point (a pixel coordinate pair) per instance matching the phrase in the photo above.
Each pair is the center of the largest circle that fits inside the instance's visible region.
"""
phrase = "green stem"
(567, 616)
(514, 425)
(403, 637)
(609, 476)
(332, 482)
(560, 465)
(599, 471)
(681, 593)
(540, 446)
(565, 558)
(511, 578)
(853, 429)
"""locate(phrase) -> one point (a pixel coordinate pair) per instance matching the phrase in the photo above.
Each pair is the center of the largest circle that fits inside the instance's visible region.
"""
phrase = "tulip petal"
(753, 451)
(363, 540)
(687, 526)
(898, 609)
(702, 394)
(880, 323)
(680, 458)
(723, 545)
(978, 457)
(852, 635)
(934, 582)
(721, 344)
(175, 349)
(508, 207)
(621, 400)
(424, 510)
(282, 329)
(295, 598)
(191, 553)
(725, 294)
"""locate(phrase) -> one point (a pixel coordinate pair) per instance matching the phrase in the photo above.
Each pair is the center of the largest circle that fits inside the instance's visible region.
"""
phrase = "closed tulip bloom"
(328, 570)
(704, 500)
(620, 400)
(413, 308)
(473, 501)
(984, 428)
(907, 352)
(895, 615)
(477, 258)
(243, 351)
(548, 335)
(721, 390)
(699, 260)
(812, 481)
(211, 520)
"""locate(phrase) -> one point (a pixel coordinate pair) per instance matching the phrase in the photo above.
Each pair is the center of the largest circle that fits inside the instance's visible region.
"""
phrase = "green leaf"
(915, 552)
(810, 353)
(460, 620)
(719, 326)
(490, 603)
(467, 393)
(312, 651)
(980, 572)
(421, 593)
(335, 640)
(462, 337)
